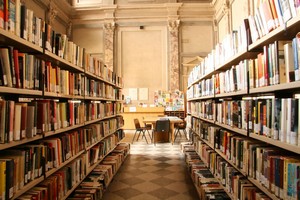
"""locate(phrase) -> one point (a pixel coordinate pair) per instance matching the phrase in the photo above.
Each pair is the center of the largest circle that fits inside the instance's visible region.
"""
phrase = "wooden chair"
(162, 129)
(180, 127)
(140, 130)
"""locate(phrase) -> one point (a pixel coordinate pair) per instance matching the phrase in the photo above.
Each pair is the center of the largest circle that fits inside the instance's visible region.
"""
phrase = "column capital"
(173, 24)
(51, 13)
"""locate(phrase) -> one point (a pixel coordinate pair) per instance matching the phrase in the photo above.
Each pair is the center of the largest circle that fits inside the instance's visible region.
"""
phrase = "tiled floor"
(152, 173)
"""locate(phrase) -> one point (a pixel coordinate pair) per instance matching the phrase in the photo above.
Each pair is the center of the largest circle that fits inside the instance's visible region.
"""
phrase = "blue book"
(295, 56)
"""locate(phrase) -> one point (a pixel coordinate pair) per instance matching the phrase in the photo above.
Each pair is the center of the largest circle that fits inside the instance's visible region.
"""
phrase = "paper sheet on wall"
(143, 93)
(132, 92)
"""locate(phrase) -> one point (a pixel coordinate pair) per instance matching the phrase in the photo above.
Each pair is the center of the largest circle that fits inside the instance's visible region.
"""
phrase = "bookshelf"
(272, 135)
(59, 111)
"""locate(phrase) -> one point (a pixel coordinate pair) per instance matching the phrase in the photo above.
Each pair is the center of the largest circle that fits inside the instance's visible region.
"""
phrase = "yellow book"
(2, 179)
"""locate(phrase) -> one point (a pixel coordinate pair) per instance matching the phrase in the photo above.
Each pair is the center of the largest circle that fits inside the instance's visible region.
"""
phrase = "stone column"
(109, 29)
(173, 26)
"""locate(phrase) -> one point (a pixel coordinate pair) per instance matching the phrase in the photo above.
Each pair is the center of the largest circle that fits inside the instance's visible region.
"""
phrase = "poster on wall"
(132, 92)
(143, 93)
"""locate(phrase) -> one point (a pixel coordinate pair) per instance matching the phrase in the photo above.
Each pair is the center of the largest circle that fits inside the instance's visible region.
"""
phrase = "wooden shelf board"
(236, 130)
(62, 63)
(97, 98)
(20, 91)
(28, 187)
(206, 142)
(22, 44)
(52, 171)
(284, 86)
(16, 143)
(234, 60)
(207, 120)
(71, 190)
(262, 188)
(61, 130)
(237, 93)
(289, 147)
(280, 33)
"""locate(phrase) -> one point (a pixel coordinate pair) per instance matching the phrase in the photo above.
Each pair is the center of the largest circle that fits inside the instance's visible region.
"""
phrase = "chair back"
(162, 125)
(137, 123)
(182, 125)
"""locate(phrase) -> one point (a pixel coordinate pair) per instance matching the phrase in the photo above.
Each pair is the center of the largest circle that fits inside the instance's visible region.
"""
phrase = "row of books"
(60, 183)
(19, 167)
(94, 88)
(273, 168)
(271, 14)
(20, 70)
(93, 133)
(218, 177)
(95, 184)
(62, 81)
(267, 14)
(20, 120)
(233, 79)
(21, 21)
(205, 87)
(203, 109)
(277, 64)
(26, 163)
(275, 118)
(100, 150)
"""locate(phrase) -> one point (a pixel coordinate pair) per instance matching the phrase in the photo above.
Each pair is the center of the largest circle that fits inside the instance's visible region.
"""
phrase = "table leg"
(172, 132)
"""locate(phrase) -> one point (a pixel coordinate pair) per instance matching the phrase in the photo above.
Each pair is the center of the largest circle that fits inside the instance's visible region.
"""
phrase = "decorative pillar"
(109, 29)
(173, 26)
(51, 14)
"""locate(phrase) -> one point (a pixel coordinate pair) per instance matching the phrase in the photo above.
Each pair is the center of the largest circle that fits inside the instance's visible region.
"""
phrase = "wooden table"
(173, 120)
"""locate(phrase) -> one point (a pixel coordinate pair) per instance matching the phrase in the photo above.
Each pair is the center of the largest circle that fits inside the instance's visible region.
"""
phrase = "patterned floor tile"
(162, 181)
(163, 193)
(146, 187)
(152, 172)
(144, 197)
(127, 193)
(132, 181)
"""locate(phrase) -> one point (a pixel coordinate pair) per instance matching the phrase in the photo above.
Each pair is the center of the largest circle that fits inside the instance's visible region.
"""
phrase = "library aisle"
(152, 173)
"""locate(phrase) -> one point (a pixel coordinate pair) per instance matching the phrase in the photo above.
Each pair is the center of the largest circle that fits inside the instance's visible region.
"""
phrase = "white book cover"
(17, 122)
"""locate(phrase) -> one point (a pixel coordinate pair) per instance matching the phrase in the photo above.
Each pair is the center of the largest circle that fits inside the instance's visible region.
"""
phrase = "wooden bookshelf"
(8, 93)
(17, 143)
(19, 91)
(231, 94)
(230, 162)
(52, 171)
(287, 32)
(275, 88)
(233, 129)
(283, 145)
(8, 38)
(263, 189)
(28, 186)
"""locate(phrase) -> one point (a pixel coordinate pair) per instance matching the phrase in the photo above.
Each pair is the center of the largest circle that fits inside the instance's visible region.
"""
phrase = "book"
(289, 62)
(11, 15)
(2, 14)
(17, 122)
(5, 60)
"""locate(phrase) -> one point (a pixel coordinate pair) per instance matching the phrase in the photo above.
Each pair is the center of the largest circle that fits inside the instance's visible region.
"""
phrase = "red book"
(71, 118)
(17, 69)
(6, 13)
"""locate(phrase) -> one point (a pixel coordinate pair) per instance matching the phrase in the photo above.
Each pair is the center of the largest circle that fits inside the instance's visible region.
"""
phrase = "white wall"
(142, 57)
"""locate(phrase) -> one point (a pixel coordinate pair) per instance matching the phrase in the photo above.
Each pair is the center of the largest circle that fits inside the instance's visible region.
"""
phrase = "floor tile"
(152, 173)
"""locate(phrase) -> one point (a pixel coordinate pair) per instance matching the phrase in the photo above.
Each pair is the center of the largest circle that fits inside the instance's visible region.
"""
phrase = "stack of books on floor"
(207, 185)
